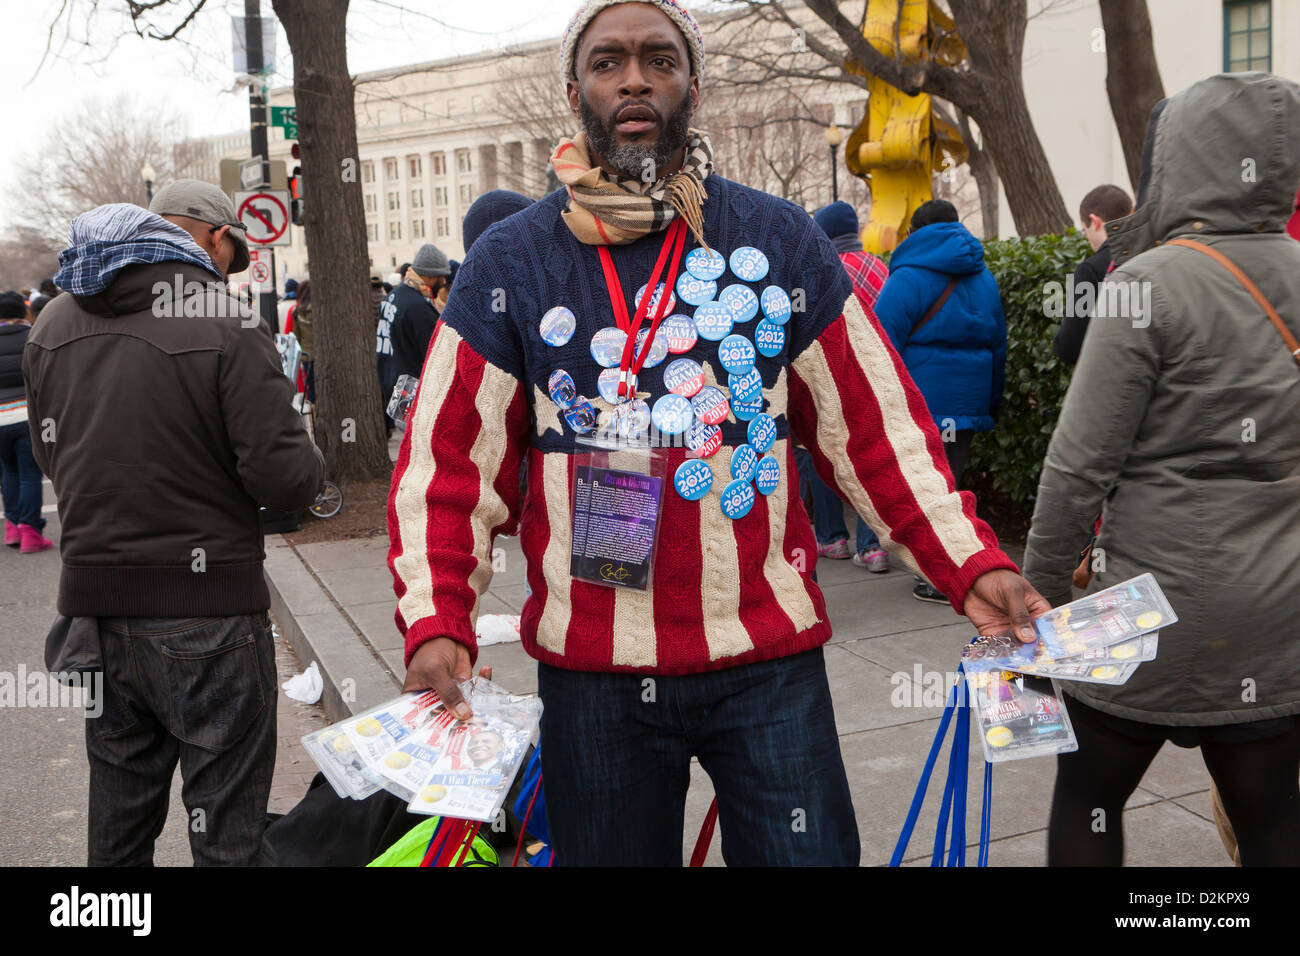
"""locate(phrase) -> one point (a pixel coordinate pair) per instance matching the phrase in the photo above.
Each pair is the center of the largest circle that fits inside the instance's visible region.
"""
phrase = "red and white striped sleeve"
(856, 409)
(455, 487)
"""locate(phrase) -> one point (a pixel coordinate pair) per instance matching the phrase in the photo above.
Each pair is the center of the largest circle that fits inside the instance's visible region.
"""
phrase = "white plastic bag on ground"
(305, 687)
(497, 629)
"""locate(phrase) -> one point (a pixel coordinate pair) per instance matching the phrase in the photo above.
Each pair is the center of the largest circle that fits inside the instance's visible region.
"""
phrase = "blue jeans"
(20, 477)
(828, 508)
(616, 760)
(198, 692)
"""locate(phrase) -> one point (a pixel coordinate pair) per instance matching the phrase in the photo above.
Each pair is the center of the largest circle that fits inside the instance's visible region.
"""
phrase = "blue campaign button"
(769, 338)
(744, 462)
(684, 377)
(749, 263)
(672, 414)
(746, 411)
(746, 388)
(557, 326)
(607, 346)
(581, 417)
(705, 264)
(713, 321)
(695, 291)
(658, 347)
(561, 388)
(768, 475)
(654, 299)
(703, 440)
(607, 384)
(736, 353)
(710, 405)
(776, 305)
(679, 332)
(761, 433)
(693, 479)
(740, 301)
(737, 499)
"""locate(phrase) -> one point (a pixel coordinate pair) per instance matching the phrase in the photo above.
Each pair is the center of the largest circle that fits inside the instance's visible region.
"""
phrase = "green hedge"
(1004, 464)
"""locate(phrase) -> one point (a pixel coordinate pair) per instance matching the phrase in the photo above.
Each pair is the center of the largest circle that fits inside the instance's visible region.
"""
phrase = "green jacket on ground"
(1181, 426)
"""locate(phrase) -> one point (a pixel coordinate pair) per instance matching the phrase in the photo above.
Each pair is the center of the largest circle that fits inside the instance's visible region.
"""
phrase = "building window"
(1247, 35)
(417, 198)
(463, 164)
(415, 166)
(439, 163)
(440, 195)
(394, 230)
(417, 228)
(368, 172)
(442, 226)
(466, 194)
(390, 169)
(371, 205)
(394, 201)
(372, 231)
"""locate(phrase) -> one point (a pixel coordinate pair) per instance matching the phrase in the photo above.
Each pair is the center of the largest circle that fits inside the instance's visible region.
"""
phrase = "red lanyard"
(674, 242)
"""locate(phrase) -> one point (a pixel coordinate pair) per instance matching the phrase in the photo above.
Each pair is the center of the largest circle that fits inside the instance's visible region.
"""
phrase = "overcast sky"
(197, 79)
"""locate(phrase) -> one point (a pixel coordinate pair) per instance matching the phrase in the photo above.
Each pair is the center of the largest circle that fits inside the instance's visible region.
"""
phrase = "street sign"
(250, 173)
(285, 117)
(230, 183)
(238, 35)
(266, 214)
(259, 269)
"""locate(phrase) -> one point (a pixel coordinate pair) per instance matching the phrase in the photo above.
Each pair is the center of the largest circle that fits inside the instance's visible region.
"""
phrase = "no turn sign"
(266, 215)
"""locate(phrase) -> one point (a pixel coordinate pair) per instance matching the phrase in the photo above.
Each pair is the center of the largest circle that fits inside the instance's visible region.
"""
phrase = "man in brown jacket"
(160, 413)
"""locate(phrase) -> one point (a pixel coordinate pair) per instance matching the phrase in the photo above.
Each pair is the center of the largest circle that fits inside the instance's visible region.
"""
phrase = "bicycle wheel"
(328, 502)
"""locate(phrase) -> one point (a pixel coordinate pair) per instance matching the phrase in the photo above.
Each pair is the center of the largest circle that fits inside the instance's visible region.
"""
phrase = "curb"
(317, 629)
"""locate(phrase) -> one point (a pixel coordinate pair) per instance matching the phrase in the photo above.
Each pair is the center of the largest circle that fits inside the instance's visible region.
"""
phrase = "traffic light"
(295, 194)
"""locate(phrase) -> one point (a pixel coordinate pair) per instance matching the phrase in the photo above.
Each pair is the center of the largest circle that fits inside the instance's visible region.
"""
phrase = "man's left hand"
(1003, 600)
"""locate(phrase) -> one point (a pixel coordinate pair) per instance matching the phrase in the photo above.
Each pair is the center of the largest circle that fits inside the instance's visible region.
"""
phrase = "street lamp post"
(147, 174)
(833, 137)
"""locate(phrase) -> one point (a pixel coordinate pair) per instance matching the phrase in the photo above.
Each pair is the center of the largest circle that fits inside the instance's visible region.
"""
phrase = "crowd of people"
(869, 394)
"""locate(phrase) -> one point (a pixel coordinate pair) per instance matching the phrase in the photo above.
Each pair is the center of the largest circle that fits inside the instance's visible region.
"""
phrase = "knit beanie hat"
(430, 261)
(12, 306)
(670, 8)
(837, 219)
(489, 209)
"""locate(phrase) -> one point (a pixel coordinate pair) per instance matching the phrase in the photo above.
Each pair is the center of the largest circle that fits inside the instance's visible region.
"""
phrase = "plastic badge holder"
(1019, 716)
(286, 343)
(399, 405)
(337, 759)
(1113, 616)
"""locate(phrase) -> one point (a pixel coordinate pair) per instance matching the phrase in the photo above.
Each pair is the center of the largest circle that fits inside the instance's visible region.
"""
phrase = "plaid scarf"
(609, 210)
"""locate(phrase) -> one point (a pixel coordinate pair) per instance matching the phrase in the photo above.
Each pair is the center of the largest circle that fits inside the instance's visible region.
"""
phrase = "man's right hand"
(441, 664)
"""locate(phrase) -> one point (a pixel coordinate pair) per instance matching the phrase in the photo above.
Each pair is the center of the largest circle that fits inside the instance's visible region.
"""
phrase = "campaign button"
(713, 321)
(658, 347)
(761, 433)
(710, 405)
(745, 388)
(776, 305)
(744, 462)
(749, 263)
(581, 417)
(695, 291)
(737, 499)
(557, 326)
(607, 346)
(736, 353)
(561, 388)
(704, 264)
(607, 385)
(693, 479)
(632, 420)
(769, 338)
(654, 299)
(740, 301)
(672, 414)
(746, 411)
(703, 440)
(768, 475)
(679, 332)
(684, 377)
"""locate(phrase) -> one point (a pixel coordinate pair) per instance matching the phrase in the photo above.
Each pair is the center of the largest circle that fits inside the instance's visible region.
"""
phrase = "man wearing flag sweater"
(720, 656)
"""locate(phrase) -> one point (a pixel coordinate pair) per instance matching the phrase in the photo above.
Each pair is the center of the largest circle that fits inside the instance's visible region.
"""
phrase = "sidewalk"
(334, 601)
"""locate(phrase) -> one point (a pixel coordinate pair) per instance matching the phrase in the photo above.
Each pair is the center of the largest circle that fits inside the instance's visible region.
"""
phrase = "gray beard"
(632, 161)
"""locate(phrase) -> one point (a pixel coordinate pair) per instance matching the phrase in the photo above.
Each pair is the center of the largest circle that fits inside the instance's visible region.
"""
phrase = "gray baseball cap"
(206, 203)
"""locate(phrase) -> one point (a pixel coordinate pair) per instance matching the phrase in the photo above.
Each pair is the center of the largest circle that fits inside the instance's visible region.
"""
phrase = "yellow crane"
(902, 141)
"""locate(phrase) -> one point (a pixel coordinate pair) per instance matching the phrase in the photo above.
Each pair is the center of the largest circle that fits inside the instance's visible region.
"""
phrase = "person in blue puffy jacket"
(943, 313)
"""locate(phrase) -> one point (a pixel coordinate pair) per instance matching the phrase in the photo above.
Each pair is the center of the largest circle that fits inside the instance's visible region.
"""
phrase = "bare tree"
(1133, 82)
(986, 85)
(91, 156)
(27, 257)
